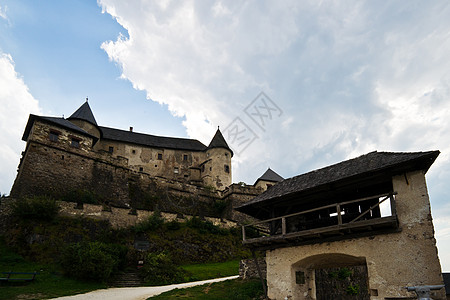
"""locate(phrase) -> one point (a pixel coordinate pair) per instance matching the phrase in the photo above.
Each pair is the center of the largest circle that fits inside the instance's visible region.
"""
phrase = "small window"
(159, 156)
(210, 168)
(111, 149)
(75, 143)
(53, 135)
(226, 154)
(227, 168)
(141, 169)
(156, 166)
(133, 151)
(300, 277)
(185, 157)
(186, 176)
(203, 168)
(176, 170)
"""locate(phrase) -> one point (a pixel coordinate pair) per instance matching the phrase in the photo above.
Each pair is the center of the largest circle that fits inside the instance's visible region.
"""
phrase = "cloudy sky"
(294, 85)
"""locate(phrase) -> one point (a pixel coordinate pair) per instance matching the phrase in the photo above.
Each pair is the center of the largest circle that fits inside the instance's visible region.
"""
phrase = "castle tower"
(84, 118)
(216, 170)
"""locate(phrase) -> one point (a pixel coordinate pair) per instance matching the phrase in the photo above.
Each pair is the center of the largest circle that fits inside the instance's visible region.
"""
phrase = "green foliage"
(220, 206)
(159, 269)
(209, 188)
(237, 289)
(35, 208)
(353, 289)
(205, 226)
(173, 225)
(154, 222)
(344, 273)
(92, 261)
(211, 270)
(81, 196)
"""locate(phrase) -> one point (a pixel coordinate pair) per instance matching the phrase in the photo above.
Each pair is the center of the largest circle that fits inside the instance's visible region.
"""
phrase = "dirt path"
(137, 293)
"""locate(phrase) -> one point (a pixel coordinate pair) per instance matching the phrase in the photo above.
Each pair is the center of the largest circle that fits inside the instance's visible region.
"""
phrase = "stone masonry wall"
(395, 260)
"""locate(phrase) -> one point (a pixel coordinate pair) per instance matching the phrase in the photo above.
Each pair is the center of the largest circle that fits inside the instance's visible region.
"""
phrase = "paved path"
(137, 293)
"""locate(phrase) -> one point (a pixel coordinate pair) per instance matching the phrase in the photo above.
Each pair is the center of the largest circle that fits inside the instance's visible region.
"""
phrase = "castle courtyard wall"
(394, 260)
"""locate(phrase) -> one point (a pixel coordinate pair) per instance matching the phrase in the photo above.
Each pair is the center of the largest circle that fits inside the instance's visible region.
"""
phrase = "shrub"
(153, 222)
(92, 261)
(37, 207)
(205, 226)
(159, 269)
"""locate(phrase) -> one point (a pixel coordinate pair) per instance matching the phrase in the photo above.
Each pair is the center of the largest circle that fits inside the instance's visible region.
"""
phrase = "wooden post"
(338, 207)
(393, 208)
(243, 232)
(283, 226)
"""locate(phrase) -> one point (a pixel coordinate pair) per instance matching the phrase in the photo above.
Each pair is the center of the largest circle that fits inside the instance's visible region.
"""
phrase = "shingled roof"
(84, 113)
(218, 141)
(271, 176)
(151, 140)
(364, 166)
(53, 120)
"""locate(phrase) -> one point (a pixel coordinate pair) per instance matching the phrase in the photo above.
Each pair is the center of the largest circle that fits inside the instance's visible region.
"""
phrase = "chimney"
(131, 129)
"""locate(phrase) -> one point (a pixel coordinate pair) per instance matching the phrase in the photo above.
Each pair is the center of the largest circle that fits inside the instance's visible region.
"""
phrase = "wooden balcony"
(336, 221)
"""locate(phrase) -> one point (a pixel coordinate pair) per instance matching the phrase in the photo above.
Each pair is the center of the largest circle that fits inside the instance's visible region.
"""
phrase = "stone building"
(359, 229)
(268, 179)
(71, 151)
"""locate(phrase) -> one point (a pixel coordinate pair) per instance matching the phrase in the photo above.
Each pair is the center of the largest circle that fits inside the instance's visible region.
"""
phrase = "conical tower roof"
(218, 141)
(84, 113)
(270, 175)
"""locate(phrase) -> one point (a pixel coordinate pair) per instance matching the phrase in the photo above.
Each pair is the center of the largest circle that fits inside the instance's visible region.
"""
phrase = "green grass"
(211, 270)
(48, 283)
(226, 290)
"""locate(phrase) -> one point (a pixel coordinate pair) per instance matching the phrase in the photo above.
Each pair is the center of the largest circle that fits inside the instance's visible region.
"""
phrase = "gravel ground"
(137, 293)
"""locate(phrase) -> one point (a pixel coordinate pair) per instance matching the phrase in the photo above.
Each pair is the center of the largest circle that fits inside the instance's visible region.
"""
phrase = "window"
(226, 154)
(141, 169)
(185, 157)
(227, 168)
(75, 143)
(176, 170)
(203, 168)
(53, 135)
(159, 156)
(133, 151)
(111, 149)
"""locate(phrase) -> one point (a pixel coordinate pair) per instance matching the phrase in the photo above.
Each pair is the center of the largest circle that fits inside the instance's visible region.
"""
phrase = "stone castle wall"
(394, 261)
(52, 169)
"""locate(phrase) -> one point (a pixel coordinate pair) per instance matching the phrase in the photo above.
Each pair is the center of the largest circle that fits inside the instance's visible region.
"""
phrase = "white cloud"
(16, 104)
(3, 12)
(350, 78)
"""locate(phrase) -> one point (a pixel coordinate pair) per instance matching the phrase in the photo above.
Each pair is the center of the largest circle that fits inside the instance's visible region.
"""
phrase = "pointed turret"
(218, 141)
(84, 118)
(268, 179)
(84, 113)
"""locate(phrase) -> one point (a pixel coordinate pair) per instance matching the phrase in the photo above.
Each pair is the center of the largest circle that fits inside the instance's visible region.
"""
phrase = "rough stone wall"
(173, 164)
(237, 195)
(122, 217)
(394, 260)
(215, 173)
(86, 126)
(248, 269)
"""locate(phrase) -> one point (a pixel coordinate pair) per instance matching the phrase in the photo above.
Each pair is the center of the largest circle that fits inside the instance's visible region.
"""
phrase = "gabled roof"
(365, 166)
(151, 140)
(84, 113)
(55, 121)
(271, 176)
(218, 141)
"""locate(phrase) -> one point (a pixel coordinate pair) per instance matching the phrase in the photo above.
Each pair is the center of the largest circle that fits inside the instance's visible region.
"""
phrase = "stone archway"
(330, 276)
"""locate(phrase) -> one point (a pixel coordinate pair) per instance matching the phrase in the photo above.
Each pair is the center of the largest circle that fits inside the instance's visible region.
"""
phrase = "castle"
(126, 168)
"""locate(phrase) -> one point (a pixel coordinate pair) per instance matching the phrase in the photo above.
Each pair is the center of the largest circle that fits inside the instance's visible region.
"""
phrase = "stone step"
(127, 279)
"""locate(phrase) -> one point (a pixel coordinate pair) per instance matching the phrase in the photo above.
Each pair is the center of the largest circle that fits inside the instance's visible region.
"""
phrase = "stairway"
(125, 279)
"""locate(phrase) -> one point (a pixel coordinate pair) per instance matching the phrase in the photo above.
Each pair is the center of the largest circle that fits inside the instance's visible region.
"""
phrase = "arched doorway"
(333, 276)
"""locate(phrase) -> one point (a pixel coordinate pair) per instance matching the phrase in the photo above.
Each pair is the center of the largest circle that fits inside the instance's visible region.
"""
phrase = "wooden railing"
(274, 223)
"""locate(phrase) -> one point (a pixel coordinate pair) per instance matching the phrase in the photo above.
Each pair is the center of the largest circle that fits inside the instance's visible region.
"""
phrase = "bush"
(205, 226)
(160, 269)
(153, 222)
(92, 261)
(37, 207)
